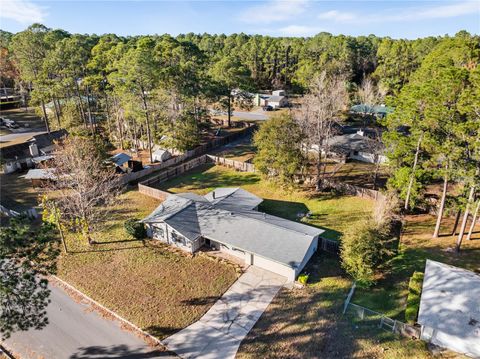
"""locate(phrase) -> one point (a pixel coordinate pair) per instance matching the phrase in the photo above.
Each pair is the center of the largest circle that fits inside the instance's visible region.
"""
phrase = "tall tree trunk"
(229, 109)
(147, 117)
(457, 219)
(412, 175)
(89, 111)
(57, 111)
(109, 123)
(465, 215)
(442, 204)
(45, 116)
(472, 225)
(318, 185)
(80, 104)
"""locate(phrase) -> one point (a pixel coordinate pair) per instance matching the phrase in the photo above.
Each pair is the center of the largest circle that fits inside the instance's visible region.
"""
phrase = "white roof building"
(450, 308)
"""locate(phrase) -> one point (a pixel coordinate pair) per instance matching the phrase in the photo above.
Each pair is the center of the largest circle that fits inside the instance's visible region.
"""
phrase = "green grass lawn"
(333, 213)
(16, 192)
(307, 323)
(157, 288)
(389, 295)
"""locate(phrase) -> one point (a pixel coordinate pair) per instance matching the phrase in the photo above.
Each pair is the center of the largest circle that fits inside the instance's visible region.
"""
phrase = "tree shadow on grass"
(161, 332)
(104, 250)
(201, 301)
(119, 351)
(199, 179)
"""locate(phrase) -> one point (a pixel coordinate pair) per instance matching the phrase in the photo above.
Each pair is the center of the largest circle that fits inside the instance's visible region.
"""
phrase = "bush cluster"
(135, 229)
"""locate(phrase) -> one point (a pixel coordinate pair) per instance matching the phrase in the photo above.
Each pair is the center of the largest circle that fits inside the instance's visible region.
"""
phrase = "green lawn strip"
(413, 299)
(160, 290)
(333, 213)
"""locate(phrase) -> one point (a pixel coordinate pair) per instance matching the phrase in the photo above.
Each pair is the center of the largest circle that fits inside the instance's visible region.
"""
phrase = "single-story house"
(227, 219)
(20, 155)
(379, 110)
(450, 308)
(355, 146)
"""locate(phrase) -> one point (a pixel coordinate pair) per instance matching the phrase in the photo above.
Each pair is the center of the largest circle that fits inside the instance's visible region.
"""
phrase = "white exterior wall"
(366, 157)
(237, 253)
(168, 238)
(274, 267)
(311, 251)
(468, 346)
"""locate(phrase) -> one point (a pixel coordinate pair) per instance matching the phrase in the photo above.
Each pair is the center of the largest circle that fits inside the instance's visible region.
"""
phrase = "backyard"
(157, 288)
(333, 213)
(416, 245)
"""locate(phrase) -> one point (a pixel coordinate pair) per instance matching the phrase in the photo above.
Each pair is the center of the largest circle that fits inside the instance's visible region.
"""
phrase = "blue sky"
(398, 19)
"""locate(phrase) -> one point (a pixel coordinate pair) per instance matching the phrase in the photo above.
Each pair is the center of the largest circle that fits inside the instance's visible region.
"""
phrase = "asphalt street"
(77, 332)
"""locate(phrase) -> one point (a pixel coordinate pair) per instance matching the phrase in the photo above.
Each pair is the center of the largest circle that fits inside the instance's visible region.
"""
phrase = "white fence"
(376, 318)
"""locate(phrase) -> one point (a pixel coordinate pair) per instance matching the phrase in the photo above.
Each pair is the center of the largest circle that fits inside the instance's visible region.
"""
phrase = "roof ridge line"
(276, 225)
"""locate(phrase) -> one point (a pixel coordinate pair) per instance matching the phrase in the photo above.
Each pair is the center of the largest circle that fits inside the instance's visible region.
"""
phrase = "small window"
(158, 232)
(355, 153)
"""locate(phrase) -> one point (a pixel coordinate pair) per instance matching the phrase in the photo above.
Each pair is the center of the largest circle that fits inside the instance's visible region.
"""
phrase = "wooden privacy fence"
(197, 151)
(237, 165)
(329, 246)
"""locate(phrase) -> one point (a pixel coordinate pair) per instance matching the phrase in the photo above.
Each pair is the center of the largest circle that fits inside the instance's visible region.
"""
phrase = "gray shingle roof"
(271, 237)
(233, 199)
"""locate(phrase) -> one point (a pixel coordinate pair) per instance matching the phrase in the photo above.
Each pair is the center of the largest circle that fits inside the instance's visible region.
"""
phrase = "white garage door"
(274, 267)
(233, 251)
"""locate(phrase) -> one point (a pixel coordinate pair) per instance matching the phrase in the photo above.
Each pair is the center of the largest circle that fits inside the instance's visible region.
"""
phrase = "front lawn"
(158, 289)
(307, 323)
(389, 295)
(334, 213)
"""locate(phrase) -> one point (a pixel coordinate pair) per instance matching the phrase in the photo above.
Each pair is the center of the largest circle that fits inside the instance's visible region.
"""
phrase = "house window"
(178, 239)
(355, 153)
(158, 232)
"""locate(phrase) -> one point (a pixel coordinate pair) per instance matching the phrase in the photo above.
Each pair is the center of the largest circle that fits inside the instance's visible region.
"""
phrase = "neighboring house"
(380, 110)
(161, 155)
(227, 219)
(355, 146)
(276, 101)
(22, 155)
(450, 308)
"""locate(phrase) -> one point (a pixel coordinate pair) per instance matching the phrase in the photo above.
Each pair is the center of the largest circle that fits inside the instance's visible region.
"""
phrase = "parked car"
(10, 123)
(267, 108)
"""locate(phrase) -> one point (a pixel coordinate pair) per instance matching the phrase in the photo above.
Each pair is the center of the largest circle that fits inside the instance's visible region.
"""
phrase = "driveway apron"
(220, 331)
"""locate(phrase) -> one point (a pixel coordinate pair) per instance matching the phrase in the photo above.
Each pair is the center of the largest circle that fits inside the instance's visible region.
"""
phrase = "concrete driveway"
(74, 331)
(220, 331)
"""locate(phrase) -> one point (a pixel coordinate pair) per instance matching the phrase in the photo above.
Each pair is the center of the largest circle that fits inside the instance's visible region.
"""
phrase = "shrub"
(303, 278)
(413, 299)
(135, 228)
(363, 250)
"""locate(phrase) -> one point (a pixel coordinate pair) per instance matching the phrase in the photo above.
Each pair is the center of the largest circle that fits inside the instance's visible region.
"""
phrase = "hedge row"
(413, 299)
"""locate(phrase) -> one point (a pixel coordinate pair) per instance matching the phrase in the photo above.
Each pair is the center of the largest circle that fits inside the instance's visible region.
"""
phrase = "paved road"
(218, 334)
(23, 132)
(75, 332)
(258, 116)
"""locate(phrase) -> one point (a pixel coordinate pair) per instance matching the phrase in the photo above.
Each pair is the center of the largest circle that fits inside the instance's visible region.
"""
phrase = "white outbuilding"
(161, 155)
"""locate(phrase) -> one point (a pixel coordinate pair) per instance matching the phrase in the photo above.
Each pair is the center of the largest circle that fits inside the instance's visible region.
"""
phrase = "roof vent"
(213, 194)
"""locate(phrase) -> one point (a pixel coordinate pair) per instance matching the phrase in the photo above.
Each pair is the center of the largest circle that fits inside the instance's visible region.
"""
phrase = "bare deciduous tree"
(85, 187)
(321, 110)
